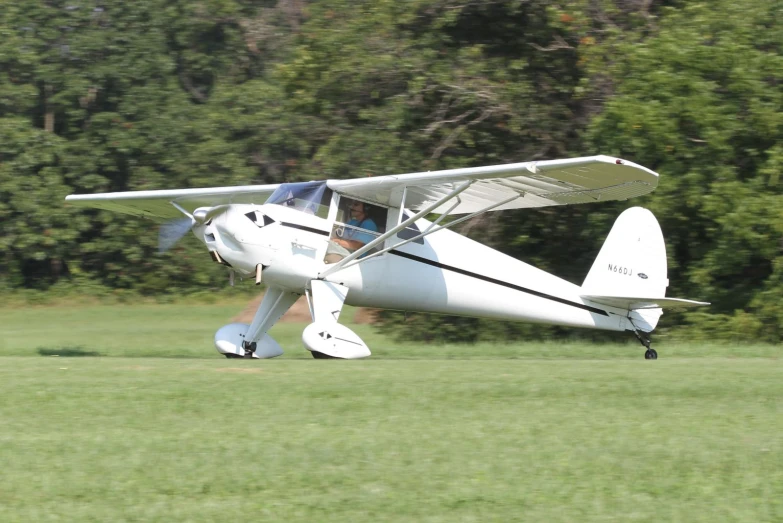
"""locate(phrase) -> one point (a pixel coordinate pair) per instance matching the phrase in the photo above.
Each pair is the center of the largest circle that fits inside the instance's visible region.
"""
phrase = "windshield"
(309, 197)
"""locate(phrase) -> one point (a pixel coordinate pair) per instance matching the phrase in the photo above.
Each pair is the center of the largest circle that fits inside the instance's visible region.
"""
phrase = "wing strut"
(388, 234)
(430, 231)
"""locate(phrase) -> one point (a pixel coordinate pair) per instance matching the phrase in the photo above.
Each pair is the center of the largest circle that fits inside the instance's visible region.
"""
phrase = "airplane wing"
(537, 184)
(157, 204)
(530, 184)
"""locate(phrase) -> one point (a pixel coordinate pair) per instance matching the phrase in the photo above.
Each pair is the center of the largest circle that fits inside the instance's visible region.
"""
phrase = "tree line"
(112, 96)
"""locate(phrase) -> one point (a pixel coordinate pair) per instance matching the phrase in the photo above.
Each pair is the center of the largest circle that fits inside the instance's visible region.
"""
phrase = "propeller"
(173, 230)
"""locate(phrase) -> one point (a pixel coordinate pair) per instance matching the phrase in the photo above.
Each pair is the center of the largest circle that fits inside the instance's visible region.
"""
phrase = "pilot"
(351, 239)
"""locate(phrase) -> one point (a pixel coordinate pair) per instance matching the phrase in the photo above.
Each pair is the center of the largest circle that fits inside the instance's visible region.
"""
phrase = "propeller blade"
(172, 231)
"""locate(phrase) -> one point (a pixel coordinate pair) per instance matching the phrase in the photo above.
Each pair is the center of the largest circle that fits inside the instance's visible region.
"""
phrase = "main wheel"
(321, 356)
(650, 354)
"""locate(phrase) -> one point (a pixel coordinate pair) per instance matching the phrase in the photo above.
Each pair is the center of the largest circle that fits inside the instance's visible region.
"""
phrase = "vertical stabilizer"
(632, 262)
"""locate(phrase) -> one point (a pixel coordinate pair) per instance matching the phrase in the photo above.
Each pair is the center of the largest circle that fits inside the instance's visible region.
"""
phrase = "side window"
(378, 215)
(362, 214)
(410, 231)
(358, 223)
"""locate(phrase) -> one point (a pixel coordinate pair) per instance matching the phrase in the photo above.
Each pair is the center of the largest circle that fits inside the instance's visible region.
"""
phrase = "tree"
(700, 102)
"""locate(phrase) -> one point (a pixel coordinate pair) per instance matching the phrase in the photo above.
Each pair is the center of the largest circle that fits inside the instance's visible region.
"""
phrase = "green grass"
(159, 428)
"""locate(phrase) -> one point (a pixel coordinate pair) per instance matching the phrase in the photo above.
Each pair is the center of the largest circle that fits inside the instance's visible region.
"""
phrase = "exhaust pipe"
(216, 257)
(259, 268)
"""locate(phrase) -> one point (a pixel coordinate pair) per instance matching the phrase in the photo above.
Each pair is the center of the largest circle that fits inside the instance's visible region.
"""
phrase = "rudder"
(632, 261)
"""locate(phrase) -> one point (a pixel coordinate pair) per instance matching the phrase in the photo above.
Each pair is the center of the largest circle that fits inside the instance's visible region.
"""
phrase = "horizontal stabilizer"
(634, 303)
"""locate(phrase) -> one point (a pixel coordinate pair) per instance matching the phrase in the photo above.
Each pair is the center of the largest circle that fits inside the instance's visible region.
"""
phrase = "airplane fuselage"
(441, 273)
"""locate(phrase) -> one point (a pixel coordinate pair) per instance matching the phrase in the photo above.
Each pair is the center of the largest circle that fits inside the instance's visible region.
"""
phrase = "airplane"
(366, 242)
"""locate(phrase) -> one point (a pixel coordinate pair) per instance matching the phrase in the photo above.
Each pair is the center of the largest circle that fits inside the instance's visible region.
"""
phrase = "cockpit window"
(358, 223)
(308, 197)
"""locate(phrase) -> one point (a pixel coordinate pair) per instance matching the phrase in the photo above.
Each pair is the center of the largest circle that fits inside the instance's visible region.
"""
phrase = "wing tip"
(627, 163)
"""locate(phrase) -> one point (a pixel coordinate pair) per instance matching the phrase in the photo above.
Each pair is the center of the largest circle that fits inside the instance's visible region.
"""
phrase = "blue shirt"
(360, 236)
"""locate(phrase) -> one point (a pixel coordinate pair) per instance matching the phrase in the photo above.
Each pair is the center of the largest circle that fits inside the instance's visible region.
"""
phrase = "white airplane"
(366, 242)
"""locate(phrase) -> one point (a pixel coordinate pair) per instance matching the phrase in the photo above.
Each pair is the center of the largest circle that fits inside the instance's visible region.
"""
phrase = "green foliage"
(112, 97)
(700, 102)
(154, 94)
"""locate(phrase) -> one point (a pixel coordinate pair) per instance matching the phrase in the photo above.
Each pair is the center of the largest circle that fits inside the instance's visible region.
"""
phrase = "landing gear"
(325, 338)
(644, 339)
(251, 341)
(249, 348)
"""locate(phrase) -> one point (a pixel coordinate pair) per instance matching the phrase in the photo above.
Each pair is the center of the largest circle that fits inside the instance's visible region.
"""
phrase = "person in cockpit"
(352, 239)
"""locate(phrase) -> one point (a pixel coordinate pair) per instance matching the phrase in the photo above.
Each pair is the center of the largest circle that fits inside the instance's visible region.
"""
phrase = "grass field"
(126, 413)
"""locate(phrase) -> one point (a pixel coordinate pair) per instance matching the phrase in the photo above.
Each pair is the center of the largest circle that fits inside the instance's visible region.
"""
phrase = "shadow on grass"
(67, 352)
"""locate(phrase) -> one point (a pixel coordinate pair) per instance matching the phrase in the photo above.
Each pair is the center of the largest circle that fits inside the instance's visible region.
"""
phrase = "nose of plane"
(243, 224)
(259, 219)
(240, 237)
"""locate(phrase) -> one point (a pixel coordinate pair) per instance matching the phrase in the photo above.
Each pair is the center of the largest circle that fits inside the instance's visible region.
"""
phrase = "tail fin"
(631, 263)
(630, 271)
